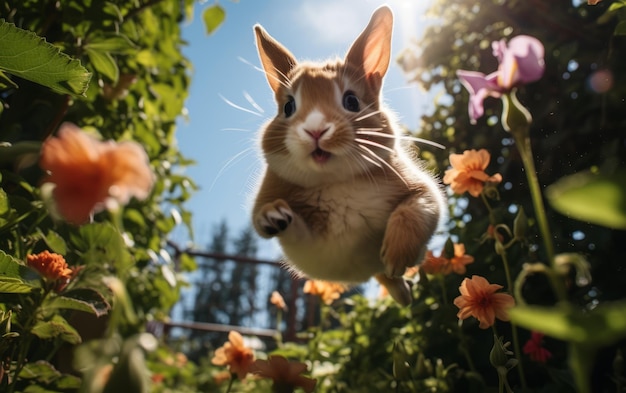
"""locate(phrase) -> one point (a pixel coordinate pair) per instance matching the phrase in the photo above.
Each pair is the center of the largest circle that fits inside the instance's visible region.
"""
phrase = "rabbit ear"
(277, 61)
(371, 51)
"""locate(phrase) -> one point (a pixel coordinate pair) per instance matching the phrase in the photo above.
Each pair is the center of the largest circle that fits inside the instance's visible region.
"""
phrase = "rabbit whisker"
(252, 102)
(286, 83)
(226, 100)
(385, 163)
(367, 131)
(365, 116)
(375, 144)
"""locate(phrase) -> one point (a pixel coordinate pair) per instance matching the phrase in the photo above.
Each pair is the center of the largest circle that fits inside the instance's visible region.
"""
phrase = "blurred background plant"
(83, 308)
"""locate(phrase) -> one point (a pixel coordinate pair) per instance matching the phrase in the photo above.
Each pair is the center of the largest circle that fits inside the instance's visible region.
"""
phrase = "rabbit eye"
(351, 102)
(290, 106)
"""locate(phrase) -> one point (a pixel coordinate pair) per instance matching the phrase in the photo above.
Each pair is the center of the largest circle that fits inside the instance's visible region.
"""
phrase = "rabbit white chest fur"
(339, 192)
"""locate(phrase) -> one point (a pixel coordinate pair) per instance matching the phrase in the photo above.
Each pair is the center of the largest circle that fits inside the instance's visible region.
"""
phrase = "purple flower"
(520, 63)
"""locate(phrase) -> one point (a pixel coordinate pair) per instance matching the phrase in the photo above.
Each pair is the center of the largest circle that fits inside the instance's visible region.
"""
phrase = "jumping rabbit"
(340, 192)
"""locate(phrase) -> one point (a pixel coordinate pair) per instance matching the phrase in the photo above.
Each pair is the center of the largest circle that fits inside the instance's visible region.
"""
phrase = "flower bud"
(448, 249)
(498, 355)
(520, 224)
(400, 364)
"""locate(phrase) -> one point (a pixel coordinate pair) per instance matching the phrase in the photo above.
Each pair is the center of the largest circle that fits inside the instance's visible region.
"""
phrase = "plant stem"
(524, 147)
(230, 383)
(442, 281)
(516, 346)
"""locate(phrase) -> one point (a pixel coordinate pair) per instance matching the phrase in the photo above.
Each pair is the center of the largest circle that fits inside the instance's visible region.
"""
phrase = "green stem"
(279, 321)
(442, 281)
(516, 346)
(518, 356)
(507, 271)
(30, 322)
(524, 147)
(230, 383)
(464, 349)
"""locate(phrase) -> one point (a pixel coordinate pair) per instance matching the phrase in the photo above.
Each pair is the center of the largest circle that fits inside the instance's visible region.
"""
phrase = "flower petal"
(522, 62)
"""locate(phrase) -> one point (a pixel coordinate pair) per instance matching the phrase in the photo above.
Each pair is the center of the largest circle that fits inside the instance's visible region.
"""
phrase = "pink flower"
(89, 175)
(521, 62)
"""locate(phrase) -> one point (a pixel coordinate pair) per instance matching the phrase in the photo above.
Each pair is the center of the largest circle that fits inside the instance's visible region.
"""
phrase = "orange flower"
(277, 300)
(459, 260)
(88, 175)
(327, 291)
(443, 265)
(285, 374)
(593, 2)
(479, 300)
(235, 355)
(468, 172)
(434, 265)
(52, 267)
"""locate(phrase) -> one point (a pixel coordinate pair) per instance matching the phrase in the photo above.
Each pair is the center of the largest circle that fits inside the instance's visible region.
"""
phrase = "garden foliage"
(114, 69)
(536, 191)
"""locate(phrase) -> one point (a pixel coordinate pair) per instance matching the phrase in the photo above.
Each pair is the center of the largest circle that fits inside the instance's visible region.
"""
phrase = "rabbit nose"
(316, 134)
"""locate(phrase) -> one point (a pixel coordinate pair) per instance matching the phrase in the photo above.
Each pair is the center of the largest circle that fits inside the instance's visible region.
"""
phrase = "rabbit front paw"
(274, 218)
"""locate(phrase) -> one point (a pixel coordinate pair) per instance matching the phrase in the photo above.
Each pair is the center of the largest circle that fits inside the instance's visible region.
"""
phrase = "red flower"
(534, 350)
(88, 175)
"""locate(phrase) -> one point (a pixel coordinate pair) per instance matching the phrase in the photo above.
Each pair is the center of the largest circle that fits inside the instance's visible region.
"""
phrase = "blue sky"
(223, 139)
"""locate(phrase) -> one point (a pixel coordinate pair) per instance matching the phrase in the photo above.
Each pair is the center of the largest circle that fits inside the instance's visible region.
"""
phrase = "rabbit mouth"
(320, 156)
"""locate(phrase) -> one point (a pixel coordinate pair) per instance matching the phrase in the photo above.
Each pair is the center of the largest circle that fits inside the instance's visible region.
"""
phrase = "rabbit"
(339, 191)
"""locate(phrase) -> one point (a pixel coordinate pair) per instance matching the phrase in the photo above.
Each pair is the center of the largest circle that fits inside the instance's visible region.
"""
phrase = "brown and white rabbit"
(339, 192)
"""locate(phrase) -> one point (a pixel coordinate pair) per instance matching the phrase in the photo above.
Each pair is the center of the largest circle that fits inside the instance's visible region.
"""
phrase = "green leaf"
(42, 371)
(14, 285)
(104, 63)
(56, 327)
(67, 382)
(9, 266)
(54, 241)
(568, 324)
(4, 201)
(102, 244)
(599, 199)
(29, 56)
(85, 299)
(116, 43)
(213, 17)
